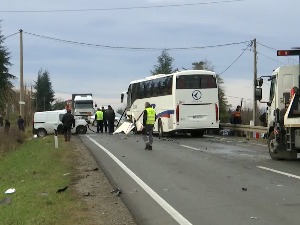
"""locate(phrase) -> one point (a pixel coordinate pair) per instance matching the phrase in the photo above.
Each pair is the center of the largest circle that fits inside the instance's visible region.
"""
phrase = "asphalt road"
(210, 180)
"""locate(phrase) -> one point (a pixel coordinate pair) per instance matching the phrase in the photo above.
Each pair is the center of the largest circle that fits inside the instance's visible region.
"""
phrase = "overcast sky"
(107, 71)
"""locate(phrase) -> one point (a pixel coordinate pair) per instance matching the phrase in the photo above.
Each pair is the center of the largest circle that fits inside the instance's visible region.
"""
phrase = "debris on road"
(62, 189)
(117, 191)
(10, 191)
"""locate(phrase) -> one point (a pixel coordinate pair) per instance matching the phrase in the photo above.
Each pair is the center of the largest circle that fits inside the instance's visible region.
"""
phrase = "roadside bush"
(10, 140)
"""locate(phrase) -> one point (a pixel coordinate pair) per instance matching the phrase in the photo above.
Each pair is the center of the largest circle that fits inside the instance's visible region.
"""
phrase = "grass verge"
(36, 169)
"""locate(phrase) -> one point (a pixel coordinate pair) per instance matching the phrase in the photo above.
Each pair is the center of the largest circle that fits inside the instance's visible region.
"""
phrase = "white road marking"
(279, 172)
(166, 206)
(197, 149)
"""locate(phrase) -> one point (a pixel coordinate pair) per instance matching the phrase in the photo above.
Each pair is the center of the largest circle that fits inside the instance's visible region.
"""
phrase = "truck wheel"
(160, 129)
(81, 129)
(41, 132)
(271, 145)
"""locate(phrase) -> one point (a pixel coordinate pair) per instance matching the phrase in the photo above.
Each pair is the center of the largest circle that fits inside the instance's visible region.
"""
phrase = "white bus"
(185, 101)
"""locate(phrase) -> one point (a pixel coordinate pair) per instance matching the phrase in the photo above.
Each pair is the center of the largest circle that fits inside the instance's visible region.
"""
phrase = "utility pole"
(254, 82)
(22, 103)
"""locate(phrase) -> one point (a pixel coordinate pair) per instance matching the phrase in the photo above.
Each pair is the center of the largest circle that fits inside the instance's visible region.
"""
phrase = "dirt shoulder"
(95, 189)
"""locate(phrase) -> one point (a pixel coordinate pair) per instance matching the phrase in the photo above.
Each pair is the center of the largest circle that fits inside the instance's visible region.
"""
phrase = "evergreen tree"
(44, 95)
(223, 103)
(5, 76)
(59, 104)
(164, 65)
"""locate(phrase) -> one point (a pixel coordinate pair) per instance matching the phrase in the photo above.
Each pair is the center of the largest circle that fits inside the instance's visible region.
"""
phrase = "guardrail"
(248, 129)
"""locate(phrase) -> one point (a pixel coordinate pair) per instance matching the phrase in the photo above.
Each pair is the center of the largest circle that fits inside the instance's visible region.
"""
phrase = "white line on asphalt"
(197, 149)
(279, 172)
(166, 206)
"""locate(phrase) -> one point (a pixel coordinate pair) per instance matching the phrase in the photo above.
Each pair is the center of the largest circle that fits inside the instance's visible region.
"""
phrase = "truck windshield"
(272, 90)
(83, 105)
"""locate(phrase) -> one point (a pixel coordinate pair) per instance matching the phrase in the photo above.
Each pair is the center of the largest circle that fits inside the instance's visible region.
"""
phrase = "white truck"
(82, 105)
(283, 112)
(46, 122)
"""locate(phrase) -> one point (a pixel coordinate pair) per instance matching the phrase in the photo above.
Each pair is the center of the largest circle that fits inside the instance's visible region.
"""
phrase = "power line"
(236, 59)
(130, 48)
(10, 35)
(275, 50)
(119, 8)
(270, 58)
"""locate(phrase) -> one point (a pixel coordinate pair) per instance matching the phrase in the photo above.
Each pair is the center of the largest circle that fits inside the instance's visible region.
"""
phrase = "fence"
(251, 131)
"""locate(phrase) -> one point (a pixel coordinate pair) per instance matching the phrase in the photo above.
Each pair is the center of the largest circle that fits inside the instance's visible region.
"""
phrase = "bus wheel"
(198, 133)
(160, 129)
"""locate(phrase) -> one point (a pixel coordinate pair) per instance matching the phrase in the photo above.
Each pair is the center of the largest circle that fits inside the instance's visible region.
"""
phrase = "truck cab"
(82, 105)
(283, 124)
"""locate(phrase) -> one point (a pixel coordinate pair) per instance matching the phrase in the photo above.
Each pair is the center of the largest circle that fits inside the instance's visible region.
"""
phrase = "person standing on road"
(149, 118)
(110, 116)
(21, 124)
(99, 119)
(104, 119)
(68, 121)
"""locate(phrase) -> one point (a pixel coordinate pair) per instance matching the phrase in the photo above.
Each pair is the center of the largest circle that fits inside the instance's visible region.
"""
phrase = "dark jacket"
(110, 115)
(68, 120)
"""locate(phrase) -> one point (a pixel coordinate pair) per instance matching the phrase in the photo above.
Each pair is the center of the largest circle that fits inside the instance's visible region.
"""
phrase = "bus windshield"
(195, 82)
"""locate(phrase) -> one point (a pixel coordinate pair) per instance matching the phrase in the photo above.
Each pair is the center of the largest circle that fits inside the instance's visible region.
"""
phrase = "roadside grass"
(9, 141)
(36, 169)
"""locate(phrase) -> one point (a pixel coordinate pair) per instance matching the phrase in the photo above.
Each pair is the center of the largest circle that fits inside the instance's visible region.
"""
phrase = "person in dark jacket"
(104, 119)
(21, 124)
(110, 116)
(68, 121)
(149, 118)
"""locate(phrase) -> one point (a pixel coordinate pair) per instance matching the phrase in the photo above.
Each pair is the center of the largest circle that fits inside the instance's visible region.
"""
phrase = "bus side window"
(180, 84)
(169, 86)
(147, 89)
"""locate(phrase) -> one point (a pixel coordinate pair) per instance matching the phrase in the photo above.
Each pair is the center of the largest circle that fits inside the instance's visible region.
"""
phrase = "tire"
(160, 129)
(271, 146)
(60, 129)
(41, 132)
(81, 129)
(198, 133)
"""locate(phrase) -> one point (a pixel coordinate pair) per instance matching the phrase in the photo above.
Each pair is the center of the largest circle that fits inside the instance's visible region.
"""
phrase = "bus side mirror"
(122, 98)
(258, 94)
(95, 105)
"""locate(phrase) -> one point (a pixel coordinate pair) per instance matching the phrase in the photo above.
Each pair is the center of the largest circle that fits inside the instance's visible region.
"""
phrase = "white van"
(45, 122)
